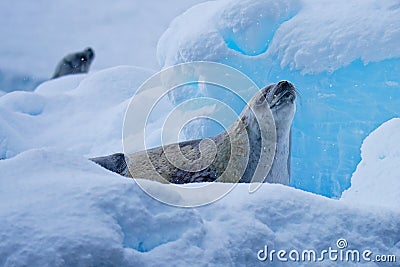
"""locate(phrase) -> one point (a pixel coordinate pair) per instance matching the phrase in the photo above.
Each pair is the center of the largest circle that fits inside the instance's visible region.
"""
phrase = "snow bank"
(342, 56)
(305, 35)
(59, 209)
(377, 178)
(70, 113)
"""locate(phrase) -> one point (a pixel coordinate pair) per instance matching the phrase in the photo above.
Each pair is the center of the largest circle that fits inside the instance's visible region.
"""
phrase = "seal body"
(75, 63)
(222, 156)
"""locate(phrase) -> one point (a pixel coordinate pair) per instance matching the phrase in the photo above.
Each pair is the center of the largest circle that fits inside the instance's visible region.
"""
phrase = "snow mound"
(329, 47)
(342, 56)
(59, 209)
(73, 113)
(285, 30)
(228, 28)
(377, 178)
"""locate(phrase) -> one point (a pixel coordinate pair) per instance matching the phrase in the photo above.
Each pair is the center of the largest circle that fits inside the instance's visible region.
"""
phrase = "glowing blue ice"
(346, 68)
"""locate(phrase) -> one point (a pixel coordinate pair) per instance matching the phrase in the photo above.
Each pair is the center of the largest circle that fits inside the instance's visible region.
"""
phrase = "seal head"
(281, 100)
(75, 63)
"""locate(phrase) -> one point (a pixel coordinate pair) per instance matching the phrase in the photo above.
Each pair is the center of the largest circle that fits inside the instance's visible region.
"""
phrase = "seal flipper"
(115, 163)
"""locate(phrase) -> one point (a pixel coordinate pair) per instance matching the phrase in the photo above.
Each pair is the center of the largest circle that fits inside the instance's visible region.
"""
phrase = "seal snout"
(89, 53)
(283, 92)
(284, 83)
(284, 86)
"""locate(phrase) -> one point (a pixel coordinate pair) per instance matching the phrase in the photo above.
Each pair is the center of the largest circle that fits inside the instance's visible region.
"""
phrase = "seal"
(207, 159)
(75, 63)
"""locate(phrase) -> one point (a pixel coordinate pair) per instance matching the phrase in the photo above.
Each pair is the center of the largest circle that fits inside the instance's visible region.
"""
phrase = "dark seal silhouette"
(75, 63)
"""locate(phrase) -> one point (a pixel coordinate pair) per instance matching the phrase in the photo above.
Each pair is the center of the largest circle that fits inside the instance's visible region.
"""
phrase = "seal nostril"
(283, 83)
(280, 87)
(283, 86)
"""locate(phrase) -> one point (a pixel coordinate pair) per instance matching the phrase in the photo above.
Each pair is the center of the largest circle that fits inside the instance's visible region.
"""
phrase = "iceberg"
(342, 56)
(57, 208)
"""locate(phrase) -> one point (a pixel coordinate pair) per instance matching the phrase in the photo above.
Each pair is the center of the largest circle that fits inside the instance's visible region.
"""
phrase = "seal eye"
(83, 59)
(261, 100)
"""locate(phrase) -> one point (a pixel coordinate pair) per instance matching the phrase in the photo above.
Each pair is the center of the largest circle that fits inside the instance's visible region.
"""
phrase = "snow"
(376, 180)
(342, 56)
(67, 211)
(57, 208)
(285, 30)
(70, 113)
